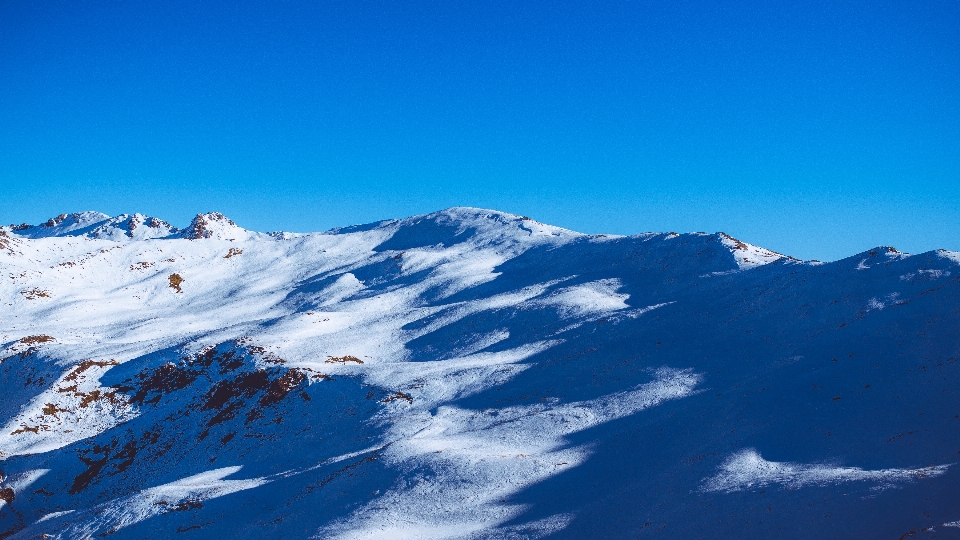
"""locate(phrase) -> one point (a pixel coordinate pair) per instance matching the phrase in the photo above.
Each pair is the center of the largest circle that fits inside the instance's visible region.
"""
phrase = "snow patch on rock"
(748, 256)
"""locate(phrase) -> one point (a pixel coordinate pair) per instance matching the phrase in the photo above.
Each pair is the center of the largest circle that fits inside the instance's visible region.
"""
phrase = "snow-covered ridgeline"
(115, 323)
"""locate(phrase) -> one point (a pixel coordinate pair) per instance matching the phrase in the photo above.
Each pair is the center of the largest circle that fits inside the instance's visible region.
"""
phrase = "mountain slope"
(469, 374)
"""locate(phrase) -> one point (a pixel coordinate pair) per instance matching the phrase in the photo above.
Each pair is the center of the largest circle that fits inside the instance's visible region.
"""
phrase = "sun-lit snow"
(748, 470)
(418, 378)
(182, 494)
(748, 255)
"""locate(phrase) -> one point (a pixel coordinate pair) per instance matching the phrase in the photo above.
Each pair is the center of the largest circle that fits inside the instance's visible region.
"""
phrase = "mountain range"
(469, 374)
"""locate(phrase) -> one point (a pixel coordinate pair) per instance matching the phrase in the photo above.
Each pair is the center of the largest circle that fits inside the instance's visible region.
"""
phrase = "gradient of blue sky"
(818, 129)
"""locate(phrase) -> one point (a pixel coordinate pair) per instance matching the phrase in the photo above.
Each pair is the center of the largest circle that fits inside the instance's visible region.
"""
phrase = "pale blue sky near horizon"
(817, 129)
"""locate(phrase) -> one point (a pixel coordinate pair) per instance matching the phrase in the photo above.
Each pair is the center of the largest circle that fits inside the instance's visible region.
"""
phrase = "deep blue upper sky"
(818, 129)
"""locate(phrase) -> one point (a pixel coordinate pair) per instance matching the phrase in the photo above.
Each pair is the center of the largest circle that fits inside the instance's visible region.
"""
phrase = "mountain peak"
(748, 255)
(136, 226)
(486, 221)
(76, 218)
(953, 256)
(73, 224)
(474, 225)
(98, 225)
(214, 225)
(873, 255)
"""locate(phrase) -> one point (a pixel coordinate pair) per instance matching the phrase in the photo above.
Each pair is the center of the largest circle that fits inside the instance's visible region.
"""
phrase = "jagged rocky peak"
(135, 226)
(138, 220)
(97, 225)
(76, 218)
(73, 224)
(214, 225)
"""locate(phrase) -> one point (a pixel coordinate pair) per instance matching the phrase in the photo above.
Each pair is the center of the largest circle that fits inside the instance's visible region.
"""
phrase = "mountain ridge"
(470, 374)
(93, 224)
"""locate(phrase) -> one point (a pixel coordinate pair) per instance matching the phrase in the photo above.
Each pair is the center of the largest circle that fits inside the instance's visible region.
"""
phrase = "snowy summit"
(469, 374)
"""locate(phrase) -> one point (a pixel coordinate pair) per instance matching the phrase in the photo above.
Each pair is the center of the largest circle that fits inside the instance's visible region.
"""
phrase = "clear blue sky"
(818, 129)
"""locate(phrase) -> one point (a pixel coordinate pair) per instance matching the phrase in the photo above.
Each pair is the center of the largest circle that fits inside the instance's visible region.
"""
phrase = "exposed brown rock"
(175, 281)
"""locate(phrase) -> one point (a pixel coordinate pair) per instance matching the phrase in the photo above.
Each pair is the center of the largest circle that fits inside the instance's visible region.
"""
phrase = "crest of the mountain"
(98, 225)
(878, 257)
(136, 226)
(469, 374)
(748, 255)
(75, 224)
(214, 225)
(469, 225)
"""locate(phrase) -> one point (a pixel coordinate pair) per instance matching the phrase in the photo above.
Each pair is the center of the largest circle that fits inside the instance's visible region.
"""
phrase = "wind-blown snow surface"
(469, 374)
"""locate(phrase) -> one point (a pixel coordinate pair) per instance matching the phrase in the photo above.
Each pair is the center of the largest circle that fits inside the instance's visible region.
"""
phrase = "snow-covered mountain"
(469, 374)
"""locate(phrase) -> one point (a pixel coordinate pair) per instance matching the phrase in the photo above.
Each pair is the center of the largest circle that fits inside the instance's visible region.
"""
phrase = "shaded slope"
(470, 373)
